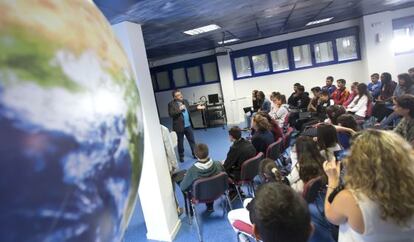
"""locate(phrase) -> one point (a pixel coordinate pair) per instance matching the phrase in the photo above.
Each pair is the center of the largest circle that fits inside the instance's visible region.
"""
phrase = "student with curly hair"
(377, 203)
(262, 137)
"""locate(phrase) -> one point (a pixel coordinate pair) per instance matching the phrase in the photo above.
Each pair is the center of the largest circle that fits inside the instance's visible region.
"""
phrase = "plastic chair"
(274, 149)
(207, 190)
(287, 138)
(249, 170)
(243, 228)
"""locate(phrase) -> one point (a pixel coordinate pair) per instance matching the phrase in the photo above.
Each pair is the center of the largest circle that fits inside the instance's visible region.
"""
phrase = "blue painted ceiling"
(163, 21)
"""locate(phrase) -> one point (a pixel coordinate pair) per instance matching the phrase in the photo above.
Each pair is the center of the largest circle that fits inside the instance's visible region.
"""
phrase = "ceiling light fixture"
(202, 30)
(227, 41)
(324, 20)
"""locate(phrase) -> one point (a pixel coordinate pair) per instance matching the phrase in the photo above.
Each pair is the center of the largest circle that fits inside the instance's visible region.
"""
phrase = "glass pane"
(210, 72)
(323, 52)
(260, 63)
(194, 75)
(242, 66)
(179, 77)
(403, 40)
(346, 47)
(163, 80)
(154, 86)
(279, 60)
(302, 56)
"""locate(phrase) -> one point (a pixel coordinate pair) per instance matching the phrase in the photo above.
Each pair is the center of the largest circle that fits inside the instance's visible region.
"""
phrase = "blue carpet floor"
(214, 226)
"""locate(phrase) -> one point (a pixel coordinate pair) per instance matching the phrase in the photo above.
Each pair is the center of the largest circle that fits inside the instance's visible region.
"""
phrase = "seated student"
(324, 102)
(344, 136)
(262, 136)
(300, 100)
(277, 214)
(239, 152)
(275, 129)
(316, 91)
(383, 104)
(327, 139)
(333, 112)
(341, 94)
(405, 86)
(404, 106)
(250, 111)
(273, 106)
(204, 167)
(306, 168)
(329, 85)
(292, 97)
(359, 106)
(377, 203)
(268, 171)
(374, 87)
(282, 110)
(352, 94)
(411, 72)
(264, 102)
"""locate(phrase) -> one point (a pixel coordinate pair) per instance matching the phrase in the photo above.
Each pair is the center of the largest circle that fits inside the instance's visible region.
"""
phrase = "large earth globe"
(71, 131)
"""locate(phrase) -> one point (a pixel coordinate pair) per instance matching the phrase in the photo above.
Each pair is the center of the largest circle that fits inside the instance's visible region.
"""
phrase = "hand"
(332, 170)
(199, 107)
(182, 107)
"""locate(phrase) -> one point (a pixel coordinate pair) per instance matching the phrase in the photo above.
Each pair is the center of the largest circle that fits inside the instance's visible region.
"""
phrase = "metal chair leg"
(238, 193)
(228, 200)
(200, 238)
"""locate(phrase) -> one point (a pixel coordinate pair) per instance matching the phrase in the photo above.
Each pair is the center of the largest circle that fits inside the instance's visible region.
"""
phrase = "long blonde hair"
(381, 166)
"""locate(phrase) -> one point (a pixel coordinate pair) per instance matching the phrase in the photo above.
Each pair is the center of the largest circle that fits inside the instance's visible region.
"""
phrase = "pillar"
(155, 189)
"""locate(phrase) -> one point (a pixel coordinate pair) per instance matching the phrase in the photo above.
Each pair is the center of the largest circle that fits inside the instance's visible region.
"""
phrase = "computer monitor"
(213, 98)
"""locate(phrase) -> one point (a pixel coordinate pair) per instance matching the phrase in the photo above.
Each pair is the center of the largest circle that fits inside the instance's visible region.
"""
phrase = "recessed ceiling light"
(319, 21)
(203, 29)
(227, 41)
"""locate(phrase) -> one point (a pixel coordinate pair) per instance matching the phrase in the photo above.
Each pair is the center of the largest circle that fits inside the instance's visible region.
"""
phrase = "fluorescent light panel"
(319, 21)
(228, 41)
(202, 30)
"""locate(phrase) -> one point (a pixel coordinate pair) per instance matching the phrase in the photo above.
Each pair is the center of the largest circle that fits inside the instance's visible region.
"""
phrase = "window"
(403, 40)
(280, 60)
(302, 56)
(346, 47)
(306, 52)
(154, 81)
(242, 66)
(323, 52)
(163, 80)
(194, 75)
(260, 63)
(183, 74)
(210, 72)
(179, 77)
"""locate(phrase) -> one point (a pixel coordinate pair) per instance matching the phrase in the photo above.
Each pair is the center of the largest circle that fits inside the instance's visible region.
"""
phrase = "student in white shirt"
(359, 105)
(377, 203)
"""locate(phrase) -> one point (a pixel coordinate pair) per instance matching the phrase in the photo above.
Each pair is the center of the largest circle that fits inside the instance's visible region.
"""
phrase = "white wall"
(376, 57)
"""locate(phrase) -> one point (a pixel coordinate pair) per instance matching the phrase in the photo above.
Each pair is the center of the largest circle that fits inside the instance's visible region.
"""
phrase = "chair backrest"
(287, 137)
(312, 188)
(211, 188)
(250, 168)
(370, 106)
(274, 149)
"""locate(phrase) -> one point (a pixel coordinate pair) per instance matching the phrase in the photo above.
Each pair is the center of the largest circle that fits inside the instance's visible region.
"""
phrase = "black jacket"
(239, 152)
(177, 115)
(261, 140)
(299, 102)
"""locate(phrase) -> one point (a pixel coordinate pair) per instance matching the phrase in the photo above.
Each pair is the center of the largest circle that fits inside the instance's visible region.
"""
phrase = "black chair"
(209, 189)
(274, 149)
(249, 170)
